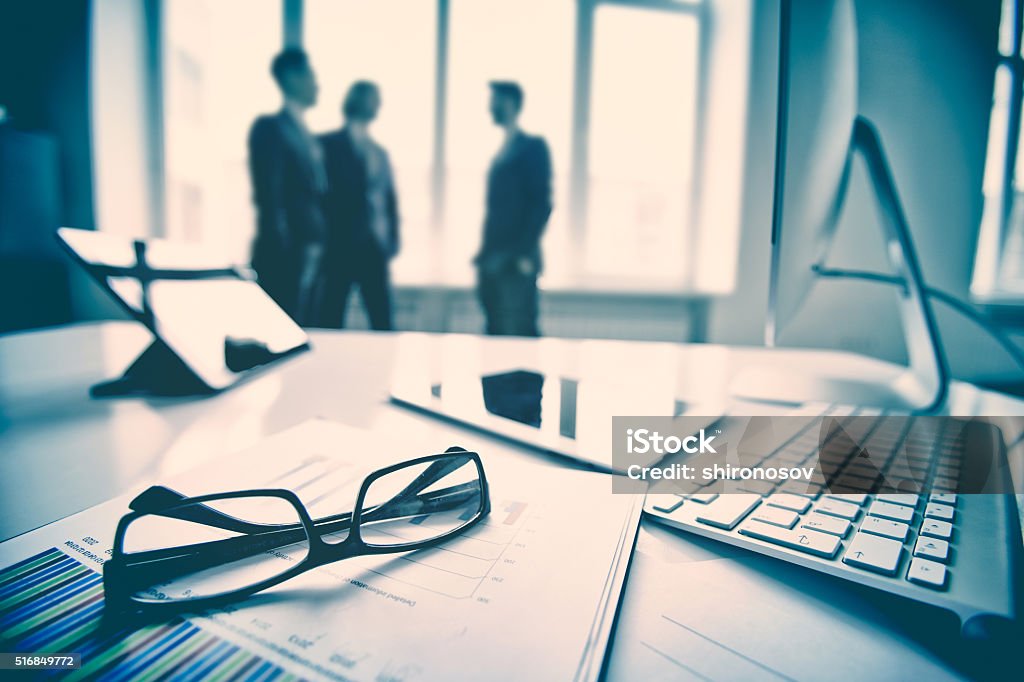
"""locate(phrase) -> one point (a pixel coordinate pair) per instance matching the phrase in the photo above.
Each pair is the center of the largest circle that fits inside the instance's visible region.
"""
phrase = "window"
(641, 145)
(529, 41)
(999, 263)
(612, 86)
(216, 81)
(393, 43)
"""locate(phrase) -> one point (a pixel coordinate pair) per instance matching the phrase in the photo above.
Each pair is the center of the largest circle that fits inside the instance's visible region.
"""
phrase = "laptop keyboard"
(878, 526)
(939, 547)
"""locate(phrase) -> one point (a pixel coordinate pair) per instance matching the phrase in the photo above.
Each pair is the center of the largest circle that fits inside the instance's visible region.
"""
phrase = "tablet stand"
(158, 371)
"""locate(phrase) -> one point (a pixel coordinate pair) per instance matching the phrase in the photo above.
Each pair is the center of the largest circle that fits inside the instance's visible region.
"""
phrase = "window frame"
(988, 285)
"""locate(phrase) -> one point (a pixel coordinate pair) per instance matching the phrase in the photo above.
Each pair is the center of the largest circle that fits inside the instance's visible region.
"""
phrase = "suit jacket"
(347, 204)
(518, 203)
(288, 182)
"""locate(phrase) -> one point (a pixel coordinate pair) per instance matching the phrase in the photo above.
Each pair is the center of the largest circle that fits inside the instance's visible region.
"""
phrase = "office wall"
(563, 314)
(739, 317)
(124, 128)
(926, 71)
(76, 72)
(124, 165)
(46, 150)
(722, 141)
(44, 85)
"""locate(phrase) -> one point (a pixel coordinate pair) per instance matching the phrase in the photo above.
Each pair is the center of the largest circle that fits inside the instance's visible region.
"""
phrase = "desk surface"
(61, 452)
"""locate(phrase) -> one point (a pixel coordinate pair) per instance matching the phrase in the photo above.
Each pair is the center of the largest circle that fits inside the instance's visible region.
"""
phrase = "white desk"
(61, 452)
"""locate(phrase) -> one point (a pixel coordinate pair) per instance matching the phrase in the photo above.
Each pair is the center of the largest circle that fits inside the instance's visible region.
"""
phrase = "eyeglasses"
(198, 552)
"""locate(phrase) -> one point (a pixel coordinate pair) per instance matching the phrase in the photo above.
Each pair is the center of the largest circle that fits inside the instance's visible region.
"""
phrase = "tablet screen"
(557, 404)
(221, 324)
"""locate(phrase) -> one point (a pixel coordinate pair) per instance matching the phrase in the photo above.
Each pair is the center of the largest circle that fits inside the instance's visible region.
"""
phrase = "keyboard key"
(865, 466)
(843, 510)
(759, 487)
(728, 510)
(826, 524)
(775, 516)
(703, 498)
(853, 498)
(885, 528)
(927, 573)
(666, 503)
(874, 553)
(936, 529)
(932, 548)
(934, 510)
(899, 498)
(887, 510)
(944, 498)
(921, 457)
(801, 491)
(792, 502)
(800, 539)
(803, 488)
(853, 481)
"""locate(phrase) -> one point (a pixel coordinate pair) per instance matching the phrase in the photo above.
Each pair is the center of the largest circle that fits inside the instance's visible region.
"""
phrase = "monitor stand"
(924, 385)
(158, 371)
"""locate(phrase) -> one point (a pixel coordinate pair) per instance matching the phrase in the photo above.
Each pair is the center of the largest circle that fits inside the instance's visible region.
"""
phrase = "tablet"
(213, 324)
(541, 406)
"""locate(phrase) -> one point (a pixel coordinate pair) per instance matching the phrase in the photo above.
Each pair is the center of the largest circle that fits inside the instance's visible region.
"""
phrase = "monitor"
(819, 137)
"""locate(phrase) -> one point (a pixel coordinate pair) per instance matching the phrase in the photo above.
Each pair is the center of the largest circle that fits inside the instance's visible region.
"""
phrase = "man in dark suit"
(288, 180)
(518, 205)
(362, 214)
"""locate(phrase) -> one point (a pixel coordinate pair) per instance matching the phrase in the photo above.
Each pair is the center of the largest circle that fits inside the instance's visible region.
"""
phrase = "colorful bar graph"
(52, 603)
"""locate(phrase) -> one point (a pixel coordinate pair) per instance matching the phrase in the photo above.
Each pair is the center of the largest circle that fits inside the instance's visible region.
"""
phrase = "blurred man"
(362, 214)
(288, 180)
(517, 209)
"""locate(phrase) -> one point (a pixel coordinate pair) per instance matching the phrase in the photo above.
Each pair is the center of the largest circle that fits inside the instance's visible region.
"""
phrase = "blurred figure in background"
(362, 214)
(289, 181)
(518, 205)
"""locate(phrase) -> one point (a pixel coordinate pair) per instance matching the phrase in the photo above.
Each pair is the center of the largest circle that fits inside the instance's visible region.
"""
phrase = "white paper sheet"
(695, 609)
(527, 594)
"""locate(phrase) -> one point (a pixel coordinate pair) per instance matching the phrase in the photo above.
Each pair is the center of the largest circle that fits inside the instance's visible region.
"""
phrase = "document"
(529, 593)
(696, 609)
